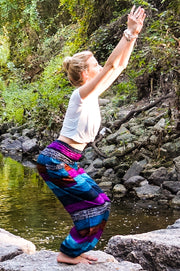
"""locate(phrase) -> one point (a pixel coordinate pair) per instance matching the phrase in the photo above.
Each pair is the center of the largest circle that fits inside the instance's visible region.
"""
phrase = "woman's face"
(93, 68)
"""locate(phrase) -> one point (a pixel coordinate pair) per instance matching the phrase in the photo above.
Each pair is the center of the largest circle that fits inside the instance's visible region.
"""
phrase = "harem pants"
(88, 206)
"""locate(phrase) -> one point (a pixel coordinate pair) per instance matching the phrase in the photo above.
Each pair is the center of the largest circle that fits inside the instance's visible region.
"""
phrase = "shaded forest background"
(36, 35)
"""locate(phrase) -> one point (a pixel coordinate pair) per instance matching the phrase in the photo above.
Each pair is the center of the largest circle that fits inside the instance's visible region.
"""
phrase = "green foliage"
(125, 92)
(173, 5)
(141, 3)
(99, 43)
(53, 92)
(4, 49)
(159, 53)
(36, 35)
(33, 100)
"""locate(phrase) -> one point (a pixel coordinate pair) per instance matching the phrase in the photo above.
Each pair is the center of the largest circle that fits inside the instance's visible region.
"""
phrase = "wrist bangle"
(128, 35)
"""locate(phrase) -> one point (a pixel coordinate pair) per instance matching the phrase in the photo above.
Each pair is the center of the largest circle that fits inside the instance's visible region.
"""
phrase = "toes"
(88, 257)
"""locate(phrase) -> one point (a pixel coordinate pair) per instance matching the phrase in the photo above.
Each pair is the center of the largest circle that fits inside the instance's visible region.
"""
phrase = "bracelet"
(127, 34)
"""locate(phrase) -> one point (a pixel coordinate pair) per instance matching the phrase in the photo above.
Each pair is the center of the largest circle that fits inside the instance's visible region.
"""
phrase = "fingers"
(138, 14)
(143, 17)
(136, 19)
(132, 10)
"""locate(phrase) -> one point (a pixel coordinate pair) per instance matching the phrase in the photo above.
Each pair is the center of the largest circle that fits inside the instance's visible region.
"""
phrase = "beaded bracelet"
(127, 34)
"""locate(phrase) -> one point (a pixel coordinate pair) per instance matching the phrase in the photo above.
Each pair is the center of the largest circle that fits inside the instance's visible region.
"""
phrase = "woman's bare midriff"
(72, 143)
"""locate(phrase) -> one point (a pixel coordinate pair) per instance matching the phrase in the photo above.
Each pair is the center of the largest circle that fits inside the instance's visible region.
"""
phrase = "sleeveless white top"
(82, 119)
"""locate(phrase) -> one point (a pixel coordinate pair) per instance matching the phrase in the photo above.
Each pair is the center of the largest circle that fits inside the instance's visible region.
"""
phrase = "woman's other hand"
(136, 20)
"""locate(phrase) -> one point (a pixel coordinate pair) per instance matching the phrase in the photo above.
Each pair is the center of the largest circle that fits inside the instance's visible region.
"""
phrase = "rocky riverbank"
(136, 154)
(153, 251)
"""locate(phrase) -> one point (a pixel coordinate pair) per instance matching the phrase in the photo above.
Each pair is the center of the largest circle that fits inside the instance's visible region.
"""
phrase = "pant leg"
(86, 203)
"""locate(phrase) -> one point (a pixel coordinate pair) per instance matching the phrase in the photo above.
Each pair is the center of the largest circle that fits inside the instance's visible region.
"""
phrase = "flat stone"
(7, 238)
(155, 250)
(133, 181)
(176, 202)
(134, 170)
(147, 191)
(29, 145)
(172, 186)
(9, 252)
(119, 191)
(46, 261)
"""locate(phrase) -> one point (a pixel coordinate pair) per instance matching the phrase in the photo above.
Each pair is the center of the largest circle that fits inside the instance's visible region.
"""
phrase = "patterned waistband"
(62, 148)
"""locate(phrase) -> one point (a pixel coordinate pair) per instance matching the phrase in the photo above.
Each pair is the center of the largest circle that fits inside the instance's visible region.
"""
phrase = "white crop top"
(82, 119)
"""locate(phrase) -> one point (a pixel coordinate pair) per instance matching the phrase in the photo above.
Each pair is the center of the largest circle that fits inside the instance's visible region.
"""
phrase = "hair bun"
(66, 63)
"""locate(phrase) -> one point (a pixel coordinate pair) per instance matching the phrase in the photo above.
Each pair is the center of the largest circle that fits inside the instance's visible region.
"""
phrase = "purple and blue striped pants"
(83, 199)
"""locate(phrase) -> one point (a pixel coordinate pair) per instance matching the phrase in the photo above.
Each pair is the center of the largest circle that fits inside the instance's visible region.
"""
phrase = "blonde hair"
(74, 66)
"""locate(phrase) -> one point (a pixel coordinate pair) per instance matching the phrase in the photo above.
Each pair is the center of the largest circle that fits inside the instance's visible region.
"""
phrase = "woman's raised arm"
(119, 57)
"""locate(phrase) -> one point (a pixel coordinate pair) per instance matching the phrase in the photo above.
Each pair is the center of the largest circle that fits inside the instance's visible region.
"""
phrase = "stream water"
(29, 209)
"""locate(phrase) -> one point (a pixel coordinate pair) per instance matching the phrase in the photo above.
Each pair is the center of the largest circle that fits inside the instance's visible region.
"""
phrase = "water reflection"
(29, 209)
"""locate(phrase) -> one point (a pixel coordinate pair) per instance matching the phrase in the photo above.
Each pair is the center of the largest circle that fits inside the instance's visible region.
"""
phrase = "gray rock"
(159, 176)
(91, 170)
(166, 194)
(29, 132)
(177, 166)
(9, 252)
(109, 175)
(134, 170)
(176, 202)
(157, 250)
(174, 187)
(15, 136)
(4, 136)
(123, 112)
(106, 185)
(7, 238)
(147, 191)
(97, 163)
(23, 138)
(99, 173)
(109, 172)
(30, 145)
(124, 138)
(170, 149)
(103, 102)
(9, 144)
(172, 175)
(111, 162)
(119, 191)
(46, 261)
(89, 154)
(160, 125)
(108, 149)
(137, 130)
(149, 122)
(133, 181)
(176, 225)
(153, 139)
(144, 182)
(111, 138)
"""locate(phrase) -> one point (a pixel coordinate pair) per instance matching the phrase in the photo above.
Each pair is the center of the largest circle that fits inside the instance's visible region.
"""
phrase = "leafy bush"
(36, 35)
(124, 92)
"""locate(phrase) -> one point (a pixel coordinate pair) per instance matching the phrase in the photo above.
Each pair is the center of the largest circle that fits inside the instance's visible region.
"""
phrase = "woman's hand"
(136, 20)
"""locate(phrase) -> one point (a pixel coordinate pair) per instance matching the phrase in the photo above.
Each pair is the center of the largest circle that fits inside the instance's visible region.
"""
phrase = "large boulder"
(157, 250)
(8, 239)
(46, 261)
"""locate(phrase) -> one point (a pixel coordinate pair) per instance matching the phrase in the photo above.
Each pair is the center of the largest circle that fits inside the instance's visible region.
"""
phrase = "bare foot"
(88, 257)
(63, 258)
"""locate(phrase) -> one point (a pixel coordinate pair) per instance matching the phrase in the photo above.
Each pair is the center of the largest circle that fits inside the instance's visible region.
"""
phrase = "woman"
(57, 164)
